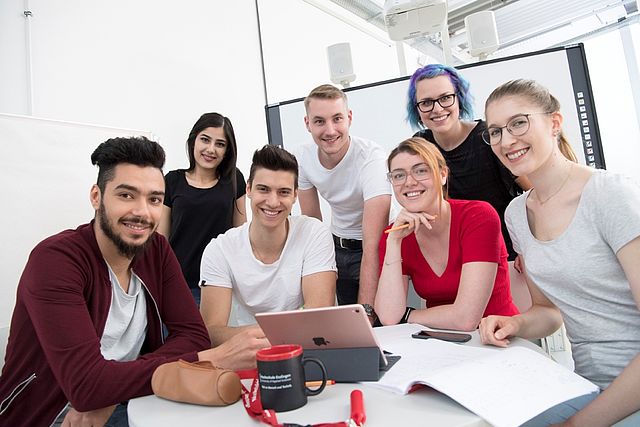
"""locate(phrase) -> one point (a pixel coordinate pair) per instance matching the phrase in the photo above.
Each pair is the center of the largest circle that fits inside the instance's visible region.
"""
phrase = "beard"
(125, 249)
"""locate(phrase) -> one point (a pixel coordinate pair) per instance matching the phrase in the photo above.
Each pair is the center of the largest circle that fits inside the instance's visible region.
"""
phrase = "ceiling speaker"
(482, 33)
(340, 64)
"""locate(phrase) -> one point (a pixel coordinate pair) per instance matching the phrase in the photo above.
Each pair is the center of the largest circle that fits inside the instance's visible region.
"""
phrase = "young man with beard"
(276, 262)
(350, 174)
(86, 332)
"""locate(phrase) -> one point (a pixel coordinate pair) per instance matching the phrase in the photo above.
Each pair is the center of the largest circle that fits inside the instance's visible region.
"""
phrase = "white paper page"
(504, 386)
(510, 386)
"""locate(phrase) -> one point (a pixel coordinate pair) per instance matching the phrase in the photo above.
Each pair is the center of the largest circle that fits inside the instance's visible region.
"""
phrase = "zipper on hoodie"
(155, 305)
(6, 403)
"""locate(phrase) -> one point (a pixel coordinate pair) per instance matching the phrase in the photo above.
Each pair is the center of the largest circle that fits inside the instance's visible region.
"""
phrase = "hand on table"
(496, 330)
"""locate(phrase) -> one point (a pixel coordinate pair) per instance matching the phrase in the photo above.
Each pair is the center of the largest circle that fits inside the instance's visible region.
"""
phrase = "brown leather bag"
(201, 383)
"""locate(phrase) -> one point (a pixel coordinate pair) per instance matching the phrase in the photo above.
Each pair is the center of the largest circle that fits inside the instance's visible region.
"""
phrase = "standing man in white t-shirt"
(277, 262)
(349, 173)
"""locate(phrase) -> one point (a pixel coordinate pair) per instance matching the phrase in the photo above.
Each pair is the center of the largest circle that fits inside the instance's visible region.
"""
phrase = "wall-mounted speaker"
(340, 64)
(482, 33)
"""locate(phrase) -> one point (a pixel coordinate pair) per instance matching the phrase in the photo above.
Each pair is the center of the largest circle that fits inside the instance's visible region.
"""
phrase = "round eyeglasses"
(426, 105)
(517, 126)
(419, 172)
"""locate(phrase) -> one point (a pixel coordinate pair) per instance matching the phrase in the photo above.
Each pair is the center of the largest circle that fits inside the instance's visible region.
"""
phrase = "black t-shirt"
(197, 216)
(477, 174)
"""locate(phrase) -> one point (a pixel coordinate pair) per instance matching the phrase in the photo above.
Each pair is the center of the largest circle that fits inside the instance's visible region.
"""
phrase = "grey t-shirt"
(126, 326)
(580, 274)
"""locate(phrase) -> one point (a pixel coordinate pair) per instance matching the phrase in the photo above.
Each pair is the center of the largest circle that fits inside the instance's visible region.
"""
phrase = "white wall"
(617, 115)
(52, 199)
(143, 64)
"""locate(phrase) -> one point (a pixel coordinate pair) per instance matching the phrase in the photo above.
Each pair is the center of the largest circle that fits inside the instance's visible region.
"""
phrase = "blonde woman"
(577, 233)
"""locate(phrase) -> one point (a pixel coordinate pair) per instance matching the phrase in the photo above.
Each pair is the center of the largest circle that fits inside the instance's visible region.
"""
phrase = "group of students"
(100, 307)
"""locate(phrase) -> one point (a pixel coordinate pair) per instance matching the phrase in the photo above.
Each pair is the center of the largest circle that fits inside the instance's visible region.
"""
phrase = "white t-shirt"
(360, 176)
(126, 326)
(228, 262)
(580, 273)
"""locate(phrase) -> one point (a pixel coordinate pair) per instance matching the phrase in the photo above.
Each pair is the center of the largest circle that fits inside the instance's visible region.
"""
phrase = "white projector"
(406, 19)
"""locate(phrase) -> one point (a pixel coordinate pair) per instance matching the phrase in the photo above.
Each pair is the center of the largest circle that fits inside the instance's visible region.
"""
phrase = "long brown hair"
(227, 167)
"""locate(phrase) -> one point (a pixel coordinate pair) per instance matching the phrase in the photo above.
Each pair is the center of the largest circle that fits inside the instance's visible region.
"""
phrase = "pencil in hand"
(403, 226)
(399, 227)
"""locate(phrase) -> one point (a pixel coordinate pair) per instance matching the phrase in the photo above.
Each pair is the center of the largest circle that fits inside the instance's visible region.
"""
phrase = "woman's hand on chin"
(408, 222)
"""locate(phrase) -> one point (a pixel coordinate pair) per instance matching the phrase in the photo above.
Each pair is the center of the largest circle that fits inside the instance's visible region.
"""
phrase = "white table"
(382, 408)
(423, 407)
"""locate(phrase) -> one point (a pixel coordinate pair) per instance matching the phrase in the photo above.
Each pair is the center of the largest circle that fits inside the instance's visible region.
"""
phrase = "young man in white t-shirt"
(350, 174)
(274, 263)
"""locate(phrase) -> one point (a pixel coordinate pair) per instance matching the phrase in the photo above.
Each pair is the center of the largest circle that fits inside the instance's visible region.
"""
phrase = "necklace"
(566, 179)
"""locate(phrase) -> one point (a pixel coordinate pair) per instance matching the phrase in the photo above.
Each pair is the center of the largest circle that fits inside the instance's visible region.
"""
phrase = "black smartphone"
(444, 336)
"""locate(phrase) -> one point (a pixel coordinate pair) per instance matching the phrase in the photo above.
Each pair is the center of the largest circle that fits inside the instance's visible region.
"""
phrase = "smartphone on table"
(444, 336)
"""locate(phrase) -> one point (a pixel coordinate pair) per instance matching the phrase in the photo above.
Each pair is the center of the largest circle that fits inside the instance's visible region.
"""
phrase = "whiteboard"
(46, 173)
(379, 109)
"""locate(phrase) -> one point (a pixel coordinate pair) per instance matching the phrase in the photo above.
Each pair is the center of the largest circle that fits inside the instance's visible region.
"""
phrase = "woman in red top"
(452, 250)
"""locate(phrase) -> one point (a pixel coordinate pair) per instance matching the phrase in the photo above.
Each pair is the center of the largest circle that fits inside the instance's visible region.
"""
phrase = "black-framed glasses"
(517, 126)
(426, 105)
(419, 172)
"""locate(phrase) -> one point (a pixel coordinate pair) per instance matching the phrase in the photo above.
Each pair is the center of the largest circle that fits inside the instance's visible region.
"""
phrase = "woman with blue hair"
(440, 104)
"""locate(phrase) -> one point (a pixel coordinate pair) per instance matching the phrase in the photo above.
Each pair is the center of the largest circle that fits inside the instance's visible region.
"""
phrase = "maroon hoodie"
(53, 354)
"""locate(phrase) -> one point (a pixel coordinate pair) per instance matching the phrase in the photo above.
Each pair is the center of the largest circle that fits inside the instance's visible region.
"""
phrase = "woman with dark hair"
(452, 250)
(205, 200)
(439, 103)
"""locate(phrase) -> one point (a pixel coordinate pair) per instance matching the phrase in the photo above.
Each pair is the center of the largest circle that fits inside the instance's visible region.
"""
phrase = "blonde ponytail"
(565, 148)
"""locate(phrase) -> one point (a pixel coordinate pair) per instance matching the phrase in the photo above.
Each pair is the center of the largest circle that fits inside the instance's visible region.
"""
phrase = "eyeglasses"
(426, 105)
(517, 126)
(419, 172)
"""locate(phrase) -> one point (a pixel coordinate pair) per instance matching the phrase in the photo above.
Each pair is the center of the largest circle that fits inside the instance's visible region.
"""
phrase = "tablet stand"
(347, 364)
